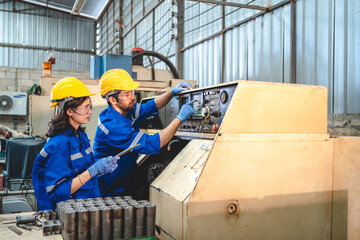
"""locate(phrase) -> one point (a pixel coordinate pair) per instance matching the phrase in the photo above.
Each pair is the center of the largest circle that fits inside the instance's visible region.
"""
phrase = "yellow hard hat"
(66, 88)
(116, 79)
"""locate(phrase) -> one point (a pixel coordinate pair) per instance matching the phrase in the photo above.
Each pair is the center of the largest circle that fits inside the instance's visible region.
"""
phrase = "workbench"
(6, 233)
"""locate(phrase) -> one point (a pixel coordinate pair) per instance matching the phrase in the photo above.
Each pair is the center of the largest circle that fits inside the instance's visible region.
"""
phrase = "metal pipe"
(106, 216)
(13, 45)
(69, 224)
(293, 43)
(139, 220)
(128, 222)
(95, 223)
(222, 80)
(232, 4)
(180, 37)
(83, 224)
(150, 219)
(118, 229)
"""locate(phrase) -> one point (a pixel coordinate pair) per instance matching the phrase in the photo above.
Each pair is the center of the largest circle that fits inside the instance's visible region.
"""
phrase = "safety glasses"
(83, 110)
(127, 94)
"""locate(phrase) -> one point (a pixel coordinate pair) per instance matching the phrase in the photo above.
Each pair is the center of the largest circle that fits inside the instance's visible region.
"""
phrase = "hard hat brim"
(54, 104)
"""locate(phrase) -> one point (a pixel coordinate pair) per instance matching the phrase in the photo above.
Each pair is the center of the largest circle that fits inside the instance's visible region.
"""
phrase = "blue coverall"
(116, 133)
(62, 159)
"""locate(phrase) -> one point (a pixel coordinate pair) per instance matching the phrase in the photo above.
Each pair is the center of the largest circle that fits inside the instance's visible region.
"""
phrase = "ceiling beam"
(231, 4)
(58, 8)
(33, 47)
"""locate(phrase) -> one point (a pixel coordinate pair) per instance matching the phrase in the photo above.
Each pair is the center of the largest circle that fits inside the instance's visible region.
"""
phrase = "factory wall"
(20, 80)
(28, 34)
(344, 124)
(223, 44)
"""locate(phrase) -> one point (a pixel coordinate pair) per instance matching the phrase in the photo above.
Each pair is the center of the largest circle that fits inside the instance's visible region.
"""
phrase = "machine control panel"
(210, 107)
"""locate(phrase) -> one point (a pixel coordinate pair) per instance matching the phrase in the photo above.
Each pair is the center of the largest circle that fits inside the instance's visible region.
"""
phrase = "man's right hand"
(103, 166)
(185, 111)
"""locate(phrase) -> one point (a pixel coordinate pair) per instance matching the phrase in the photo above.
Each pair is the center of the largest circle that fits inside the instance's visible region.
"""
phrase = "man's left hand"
(181, 87)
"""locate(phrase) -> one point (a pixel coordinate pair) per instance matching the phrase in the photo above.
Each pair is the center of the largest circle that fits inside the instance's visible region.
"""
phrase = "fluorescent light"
(78, 6)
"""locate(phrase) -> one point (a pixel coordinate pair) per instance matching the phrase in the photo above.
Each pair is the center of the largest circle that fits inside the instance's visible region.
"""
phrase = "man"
(117, 129)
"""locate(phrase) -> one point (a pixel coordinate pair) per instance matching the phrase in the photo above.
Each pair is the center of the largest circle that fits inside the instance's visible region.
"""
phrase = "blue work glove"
(185, 111)
(103, 166)
(181, 87)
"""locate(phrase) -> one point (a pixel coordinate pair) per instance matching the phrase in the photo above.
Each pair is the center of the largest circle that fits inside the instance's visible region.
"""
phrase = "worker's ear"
(69, 112)
(112, 100)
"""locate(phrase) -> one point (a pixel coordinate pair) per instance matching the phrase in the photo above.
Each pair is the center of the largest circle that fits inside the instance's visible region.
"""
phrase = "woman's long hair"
(60, 122)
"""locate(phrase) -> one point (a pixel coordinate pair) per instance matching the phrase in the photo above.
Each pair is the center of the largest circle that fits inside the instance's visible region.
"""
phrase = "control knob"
(205, 112)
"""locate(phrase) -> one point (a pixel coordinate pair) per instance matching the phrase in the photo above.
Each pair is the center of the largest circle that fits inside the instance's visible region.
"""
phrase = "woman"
(65, 168)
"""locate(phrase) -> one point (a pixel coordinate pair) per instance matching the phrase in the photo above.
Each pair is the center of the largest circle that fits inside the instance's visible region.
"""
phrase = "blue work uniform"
(116, 133)
(63, 158)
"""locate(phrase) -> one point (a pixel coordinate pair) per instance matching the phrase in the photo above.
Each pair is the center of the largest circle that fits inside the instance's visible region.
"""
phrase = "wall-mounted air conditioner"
(13, 103)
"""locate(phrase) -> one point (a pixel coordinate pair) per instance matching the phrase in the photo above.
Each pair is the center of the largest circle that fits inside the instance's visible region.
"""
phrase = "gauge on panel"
(224, 96)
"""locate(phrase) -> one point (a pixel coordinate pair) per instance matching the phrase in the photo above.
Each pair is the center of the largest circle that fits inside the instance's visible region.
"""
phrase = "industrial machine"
(210, 108)
(256, 163)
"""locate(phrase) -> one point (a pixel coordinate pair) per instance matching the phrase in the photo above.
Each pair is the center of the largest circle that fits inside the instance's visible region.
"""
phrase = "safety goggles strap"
(110, 93)
(62, 102)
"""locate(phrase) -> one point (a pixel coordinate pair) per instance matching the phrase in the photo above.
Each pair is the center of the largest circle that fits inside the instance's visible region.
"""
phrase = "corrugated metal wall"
(257, 47)
(154, 32)
(35, 28)
(108, 30)
(346, 56)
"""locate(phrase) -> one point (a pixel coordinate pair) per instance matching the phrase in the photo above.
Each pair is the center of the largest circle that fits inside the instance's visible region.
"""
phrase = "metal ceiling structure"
(233, 4)
(92, 8)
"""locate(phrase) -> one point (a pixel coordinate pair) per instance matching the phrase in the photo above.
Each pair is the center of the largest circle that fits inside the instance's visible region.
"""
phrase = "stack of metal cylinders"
(106, 218)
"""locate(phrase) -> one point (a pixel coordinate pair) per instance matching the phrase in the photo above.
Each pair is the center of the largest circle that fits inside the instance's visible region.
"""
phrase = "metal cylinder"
(120, 201)
(118, 228)
(79, 206)
(83, 224)
(106, 224)
(99, 200)
(89, 204)
(132, 202)
(59, 210)
(58, 206)
(128, 222)
(71, 201)
(110, 202)
(69, 226)
(95, 223)
(150, 219)
(139, 220)
(117, 198)
(127, 198)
